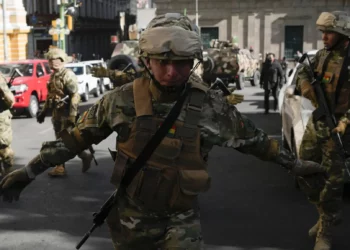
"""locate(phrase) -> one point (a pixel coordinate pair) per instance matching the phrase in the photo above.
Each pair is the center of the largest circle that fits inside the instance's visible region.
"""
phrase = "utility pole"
(197, 13)
(4, 28)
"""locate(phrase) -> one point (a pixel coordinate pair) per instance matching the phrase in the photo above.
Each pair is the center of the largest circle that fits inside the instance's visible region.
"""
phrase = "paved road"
(251, 205)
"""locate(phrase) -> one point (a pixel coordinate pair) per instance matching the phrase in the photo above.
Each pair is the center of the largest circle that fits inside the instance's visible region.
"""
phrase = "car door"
(48, 72)
(41, 82)
(92, 81)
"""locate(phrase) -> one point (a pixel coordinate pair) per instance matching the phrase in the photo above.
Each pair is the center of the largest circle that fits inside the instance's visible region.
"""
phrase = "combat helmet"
(171, 36)
(55, 53)
(337, 21)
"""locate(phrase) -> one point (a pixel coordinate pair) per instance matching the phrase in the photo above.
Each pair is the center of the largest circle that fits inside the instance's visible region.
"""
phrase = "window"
(47, 68)
(293, 41)
(77, 70)
(88, 69)
(207, 34)
(39, 70)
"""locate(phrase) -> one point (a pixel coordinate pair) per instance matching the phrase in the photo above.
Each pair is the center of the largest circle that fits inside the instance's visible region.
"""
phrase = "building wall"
(15, 31)
(258, 23)
(94, 23)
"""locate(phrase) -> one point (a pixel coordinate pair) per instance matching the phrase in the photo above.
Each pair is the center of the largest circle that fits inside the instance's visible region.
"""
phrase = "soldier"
(6, 153)
(157, 210)
(62, 83)
(271, 78)
(317, 145)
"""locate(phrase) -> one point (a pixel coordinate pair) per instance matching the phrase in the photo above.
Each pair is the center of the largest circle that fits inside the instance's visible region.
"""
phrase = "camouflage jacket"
(328, 64)
(63, 82)
(6, 97)
(221, 124)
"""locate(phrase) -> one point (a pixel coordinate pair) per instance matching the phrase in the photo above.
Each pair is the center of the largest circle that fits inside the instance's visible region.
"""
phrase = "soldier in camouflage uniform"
(117, 77)
(157, 210)
(317, 145)
(62, 83)
(6, 153)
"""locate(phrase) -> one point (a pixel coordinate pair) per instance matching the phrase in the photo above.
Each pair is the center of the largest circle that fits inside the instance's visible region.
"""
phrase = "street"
(251, 205)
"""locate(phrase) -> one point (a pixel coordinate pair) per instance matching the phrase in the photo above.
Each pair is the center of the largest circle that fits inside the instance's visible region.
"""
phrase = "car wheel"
(85, 96)
(102, 88)
(240, 81)
(97, 90)
(33, 107)
(256, 79)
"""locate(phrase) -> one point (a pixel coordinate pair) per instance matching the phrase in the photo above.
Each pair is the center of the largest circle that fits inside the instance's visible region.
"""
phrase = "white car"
(86, 82)
(105, 81)
(295, 111)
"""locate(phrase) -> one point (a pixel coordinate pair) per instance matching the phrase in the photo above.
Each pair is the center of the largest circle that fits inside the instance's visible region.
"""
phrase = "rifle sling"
(153, 143)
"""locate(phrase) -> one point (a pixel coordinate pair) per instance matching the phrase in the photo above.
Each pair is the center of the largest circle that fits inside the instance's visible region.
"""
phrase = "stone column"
(17, 30)
(268, 33)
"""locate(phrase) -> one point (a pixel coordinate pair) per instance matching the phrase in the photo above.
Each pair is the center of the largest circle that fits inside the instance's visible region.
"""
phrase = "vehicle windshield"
(25, 68)
(78, 70)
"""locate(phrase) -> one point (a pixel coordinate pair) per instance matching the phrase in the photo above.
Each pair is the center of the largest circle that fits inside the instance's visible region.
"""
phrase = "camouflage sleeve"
(6, 95)
(303, 73)
(223, 125)
(71, 88)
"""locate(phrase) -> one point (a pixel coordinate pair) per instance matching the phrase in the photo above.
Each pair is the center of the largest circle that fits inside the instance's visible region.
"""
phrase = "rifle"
(15, 74)
(220, 84)
(323, 111)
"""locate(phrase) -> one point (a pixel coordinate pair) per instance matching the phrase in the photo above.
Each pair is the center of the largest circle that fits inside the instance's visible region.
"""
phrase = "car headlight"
(18, 89)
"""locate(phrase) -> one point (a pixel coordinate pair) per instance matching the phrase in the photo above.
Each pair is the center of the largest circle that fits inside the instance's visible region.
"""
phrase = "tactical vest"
(176, 172)
(56, 89)
(333, 66)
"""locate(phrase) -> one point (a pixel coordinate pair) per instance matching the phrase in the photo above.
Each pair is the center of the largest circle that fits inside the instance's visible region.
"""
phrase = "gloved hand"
(342, 124)
(235, 98)
(301, 168)
(308, 92)
(12, 184)
(40, 116)
(99, 72)
(71, 120)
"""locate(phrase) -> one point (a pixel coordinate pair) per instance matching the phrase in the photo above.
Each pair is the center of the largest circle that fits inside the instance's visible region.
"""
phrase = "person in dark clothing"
(284, 66)
(271, 78)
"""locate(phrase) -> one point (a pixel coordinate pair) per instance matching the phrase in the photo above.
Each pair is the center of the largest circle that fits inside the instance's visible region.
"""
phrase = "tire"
(97, 90)
(33, 107)
(256, 79)
(85, 96)
(240, 81)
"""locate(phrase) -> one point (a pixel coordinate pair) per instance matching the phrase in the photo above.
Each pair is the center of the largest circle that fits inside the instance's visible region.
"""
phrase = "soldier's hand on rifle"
(308, 92)
(12, 184)
(302, 168)
(235, 98)
(40, 116)
(342, 124)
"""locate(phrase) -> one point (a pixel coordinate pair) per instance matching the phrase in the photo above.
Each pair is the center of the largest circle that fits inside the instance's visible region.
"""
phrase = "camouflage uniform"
(63, 82)
(6, 153)
(158, 210)
(317, 145)
(117, 77)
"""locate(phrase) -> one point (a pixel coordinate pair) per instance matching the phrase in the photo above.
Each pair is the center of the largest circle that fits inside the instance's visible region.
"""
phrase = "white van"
(105, 81)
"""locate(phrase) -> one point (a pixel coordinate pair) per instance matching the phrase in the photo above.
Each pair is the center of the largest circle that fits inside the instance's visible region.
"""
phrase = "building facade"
(94, 22)
(282, 27)
(15, 31)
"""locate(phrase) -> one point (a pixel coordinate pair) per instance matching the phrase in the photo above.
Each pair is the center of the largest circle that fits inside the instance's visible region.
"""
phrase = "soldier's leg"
(275, 100)
(59, 170)
(331, 196)
(7, 158)
(311, 150)
(132, 228)
(183, 232)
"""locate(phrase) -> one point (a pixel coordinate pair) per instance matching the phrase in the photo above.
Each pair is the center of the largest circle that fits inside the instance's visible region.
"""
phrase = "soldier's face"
(170, 73)
(330, 38)
(55, 64)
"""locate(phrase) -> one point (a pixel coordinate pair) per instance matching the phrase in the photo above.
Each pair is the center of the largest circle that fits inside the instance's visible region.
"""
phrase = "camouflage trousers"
(325, 191)
(134, 228)
(6, 159)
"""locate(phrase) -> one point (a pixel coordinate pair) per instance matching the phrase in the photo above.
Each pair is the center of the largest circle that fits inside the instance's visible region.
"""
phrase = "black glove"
(40, 116)
(12, 184)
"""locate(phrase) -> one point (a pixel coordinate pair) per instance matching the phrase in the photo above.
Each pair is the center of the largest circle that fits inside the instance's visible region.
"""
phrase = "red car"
(31, 88)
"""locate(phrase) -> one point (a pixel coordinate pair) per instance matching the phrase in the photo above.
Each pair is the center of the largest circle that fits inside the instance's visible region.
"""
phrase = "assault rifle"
(15, 73)
(323, 111)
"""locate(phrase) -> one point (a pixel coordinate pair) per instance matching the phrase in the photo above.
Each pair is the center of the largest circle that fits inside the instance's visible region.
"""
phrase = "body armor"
(176, 172)
(56, 90)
